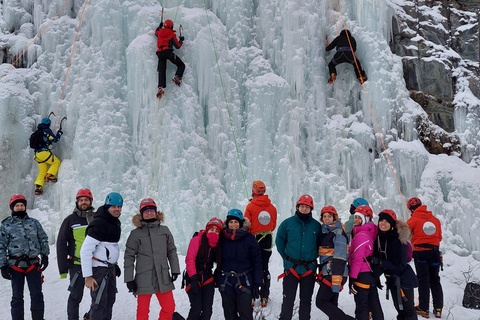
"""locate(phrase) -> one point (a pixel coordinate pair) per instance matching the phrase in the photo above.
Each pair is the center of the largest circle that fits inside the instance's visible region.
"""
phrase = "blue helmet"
(236, 214)
(114, 199)
(359, 202)
(46, 121)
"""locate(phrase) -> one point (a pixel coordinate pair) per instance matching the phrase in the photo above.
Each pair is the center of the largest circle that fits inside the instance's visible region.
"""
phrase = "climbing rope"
(226, 100)
(38, 34)
(373, 114)
(334, 18)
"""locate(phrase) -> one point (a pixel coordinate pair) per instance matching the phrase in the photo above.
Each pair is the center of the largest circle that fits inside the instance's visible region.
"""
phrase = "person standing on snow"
(239, 275)
(297, 241)
(203, 251)
(333, 255)
(351, 220)
(69, 241)
(151, 248)
(22, 242)
(263, 217)
(166, 41)
(426, 237)
(45, 158)
(346, 46)
(99, 255)
(362, 282)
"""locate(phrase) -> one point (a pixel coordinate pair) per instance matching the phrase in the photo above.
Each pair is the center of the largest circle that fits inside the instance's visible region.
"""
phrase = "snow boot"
(160, 92)
(50, 178)
(437, 312)
(38, 189)
(177, 80)
(421, 312)
(362, 78)
(332, 78)
(264, 302)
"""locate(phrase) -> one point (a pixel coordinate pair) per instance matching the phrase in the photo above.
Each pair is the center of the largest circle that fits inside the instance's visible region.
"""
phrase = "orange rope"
(70, 62)
(373, 114)
(56, 14)
(335, 19)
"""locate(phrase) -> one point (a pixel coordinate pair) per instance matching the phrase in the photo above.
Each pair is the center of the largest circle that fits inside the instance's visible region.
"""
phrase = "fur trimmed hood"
(404, 232)
(137, 219)
(246, 223)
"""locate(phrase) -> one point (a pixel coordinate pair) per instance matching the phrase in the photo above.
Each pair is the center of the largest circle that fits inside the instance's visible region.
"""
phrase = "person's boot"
(437, 312)
(38, 189)
(421, 312)
(264, 302)
(332, 78)
(177, 80)
(50, 178)
(160, 92)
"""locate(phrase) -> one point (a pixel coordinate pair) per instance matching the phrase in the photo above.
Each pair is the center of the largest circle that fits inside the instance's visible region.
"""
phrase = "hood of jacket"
(369, 228)
(137, 219)
(88, 214)
(404, 232)
(262, 201)
(422, 213)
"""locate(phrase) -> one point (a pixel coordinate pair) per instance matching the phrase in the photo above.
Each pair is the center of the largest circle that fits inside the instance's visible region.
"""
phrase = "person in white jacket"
(99, 255)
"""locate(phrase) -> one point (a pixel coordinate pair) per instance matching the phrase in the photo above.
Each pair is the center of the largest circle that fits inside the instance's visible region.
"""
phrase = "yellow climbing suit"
(45, 159)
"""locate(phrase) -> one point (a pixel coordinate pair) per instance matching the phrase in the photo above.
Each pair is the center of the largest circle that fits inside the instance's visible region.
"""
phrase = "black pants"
(427, 265)
(290, 284)
(76, 289)
(408, 312)
(34, 282)
(366, 299)
(327, 301)
(103, 300)
(345, 57)
(266, 247)
(237, 305)
(201, 303)
(163, 56)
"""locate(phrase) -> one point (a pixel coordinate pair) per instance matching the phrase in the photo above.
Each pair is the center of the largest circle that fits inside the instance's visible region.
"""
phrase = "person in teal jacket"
(297, 241)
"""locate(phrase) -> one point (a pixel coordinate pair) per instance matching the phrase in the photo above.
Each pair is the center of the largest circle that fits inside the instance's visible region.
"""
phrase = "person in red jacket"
(263, 217)
(426, 237)
(166, 41)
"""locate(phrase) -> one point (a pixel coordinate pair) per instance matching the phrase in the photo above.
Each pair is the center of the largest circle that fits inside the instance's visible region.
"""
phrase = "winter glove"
(118, 272)
(60, 132)
(375, 260)
(6, 273)
(160, 26)
(132, 286)
(44, 263)
(352, 209)
(378, 284)
(182, 38)
(174, 276)
(351, 286)
(63, 276)
(194, 287)
(255, 291)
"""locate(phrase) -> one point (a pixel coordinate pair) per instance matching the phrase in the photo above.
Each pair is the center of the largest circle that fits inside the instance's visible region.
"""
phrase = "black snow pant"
(201, 303)
(237, 305)
(103, 298)
(266, 247)
(163, 56)
(34, 282)
(408, 312)
(290, 284)
(366, 298)
(76, 288)
(327, 301)
(427, 265)
(345, 57)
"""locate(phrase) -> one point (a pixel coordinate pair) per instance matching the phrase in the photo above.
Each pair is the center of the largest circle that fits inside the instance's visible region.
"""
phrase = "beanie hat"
(18, 198)
(365, 219)
(214, 222)
(147, 204)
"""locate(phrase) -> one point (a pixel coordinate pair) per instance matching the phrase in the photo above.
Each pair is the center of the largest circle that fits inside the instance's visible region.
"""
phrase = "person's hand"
(351, 286)
(182, 38)
(375, 260)
(60, 132)
(352, 209)
(44, 263)
(90, 283)
(194, 286)
(255, 291)
(174, 276)
(6, 273)
(118, 271)
(132, 286)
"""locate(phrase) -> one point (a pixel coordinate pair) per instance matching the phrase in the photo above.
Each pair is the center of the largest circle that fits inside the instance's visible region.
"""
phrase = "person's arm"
(256, 257)
(192, 255)
(172, 253)
(281, 240)
(62, 248)
(332, 44)
(4, 239)
(42, 239)
(131, 250)
(86, 255)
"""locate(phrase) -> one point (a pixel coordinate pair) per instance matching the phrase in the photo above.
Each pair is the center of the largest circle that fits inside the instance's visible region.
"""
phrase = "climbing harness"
(295, 265)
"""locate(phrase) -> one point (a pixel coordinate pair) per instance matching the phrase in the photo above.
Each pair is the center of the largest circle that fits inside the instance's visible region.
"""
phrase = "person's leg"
(374, 303)
(37, 305)
(409, 305)
(143, 306)
(244, 306)
(423, 275)
(208, 292)
(265, 289)
(290, 284)
(40, 157)
(327, 301)
(18, 283)
(195, 305)
(54, 163)
(229, 305)
(111, 293)
(76, 292)
(435, 285)
(162, 68)
(100, 295)
(307, 284)
(167, 305)
(179, 63)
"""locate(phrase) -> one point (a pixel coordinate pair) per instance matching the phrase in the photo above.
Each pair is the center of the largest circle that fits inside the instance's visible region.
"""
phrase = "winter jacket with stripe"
(361, 248)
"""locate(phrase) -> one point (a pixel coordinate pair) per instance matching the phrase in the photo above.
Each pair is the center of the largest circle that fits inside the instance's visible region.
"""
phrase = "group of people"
(322, 251)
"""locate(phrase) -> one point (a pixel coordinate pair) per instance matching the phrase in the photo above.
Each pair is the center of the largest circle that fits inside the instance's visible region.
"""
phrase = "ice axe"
(61, 121)
(326, 38)
(51, 112)
(161, 17)
(180, 30)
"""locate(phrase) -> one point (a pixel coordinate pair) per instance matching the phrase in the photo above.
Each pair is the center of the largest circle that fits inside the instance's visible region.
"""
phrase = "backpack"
(36, 140)
(471, 296)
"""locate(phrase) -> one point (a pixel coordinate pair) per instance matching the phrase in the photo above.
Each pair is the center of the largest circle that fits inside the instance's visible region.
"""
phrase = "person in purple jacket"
(362, 282)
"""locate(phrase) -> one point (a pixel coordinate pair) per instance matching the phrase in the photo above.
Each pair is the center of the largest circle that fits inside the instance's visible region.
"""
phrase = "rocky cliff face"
(439, 43)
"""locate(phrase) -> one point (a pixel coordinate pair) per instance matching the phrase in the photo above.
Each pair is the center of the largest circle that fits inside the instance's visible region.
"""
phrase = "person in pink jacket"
(362, 282)
(202, 252)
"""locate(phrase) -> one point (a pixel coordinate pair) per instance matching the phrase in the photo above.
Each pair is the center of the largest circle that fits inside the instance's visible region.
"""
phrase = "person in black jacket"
(239, 275)
(390, 256)
(346, 46)
(69, 241)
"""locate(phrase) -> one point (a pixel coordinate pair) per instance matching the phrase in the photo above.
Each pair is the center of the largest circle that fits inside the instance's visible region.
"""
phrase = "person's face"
(304, 209)
(115, 211)
(233, 224)
(149, 214)
(358, 221)
(384, 225)
(215, 229)
(327, 217)
(84, 203)
(18, 207)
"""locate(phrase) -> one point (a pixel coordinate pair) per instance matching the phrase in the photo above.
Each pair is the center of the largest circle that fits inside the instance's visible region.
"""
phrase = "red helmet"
(413, 203)
(17, 198)
(365, 210)
(84, 192)
(305, 199)
(391, 213)
(330, 209)
(168, 24)
(148, 202)
(215, 222)
(258, 187)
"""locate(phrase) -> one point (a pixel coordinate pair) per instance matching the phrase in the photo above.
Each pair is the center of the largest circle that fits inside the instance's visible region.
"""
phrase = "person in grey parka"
(152, 249)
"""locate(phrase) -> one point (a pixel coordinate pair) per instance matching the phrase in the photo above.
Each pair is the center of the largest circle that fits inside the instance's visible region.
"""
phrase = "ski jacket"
(349, 226)
(21, 238)
(391, 247)
(426, 229)
(299, 240)
(341, 42)
(333, 255)
(195, 261)
(361, 248)
(151, 248)
(262, 214)
(48, 137)
(167, 39)
(71, 237)
(101, 242)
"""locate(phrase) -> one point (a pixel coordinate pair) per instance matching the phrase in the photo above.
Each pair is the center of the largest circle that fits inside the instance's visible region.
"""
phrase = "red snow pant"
(166, 301)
